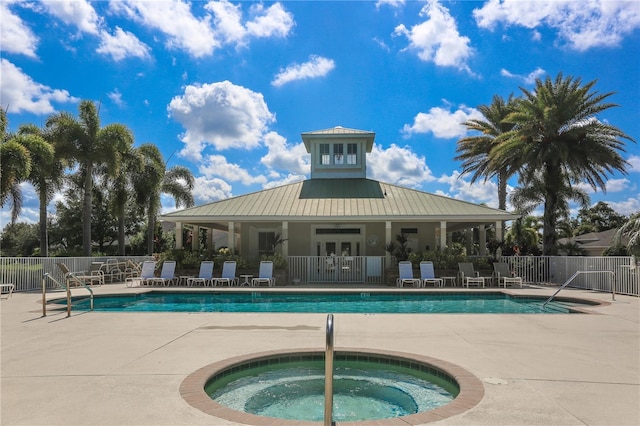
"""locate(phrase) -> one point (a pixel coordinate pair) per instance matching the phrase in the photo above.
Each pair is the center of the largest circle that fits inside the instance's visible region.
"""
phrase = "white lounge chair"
(228, 275)
(468, 276)
(405, 275)
(204, 276)
(147, 272)
(504, 276)
(265, 275)
(167, 274)
(428, 275)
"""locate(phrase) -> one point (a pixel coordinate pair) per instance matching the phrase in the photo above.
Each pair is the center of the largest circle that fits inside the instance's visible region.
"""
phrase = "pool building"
(338, 211)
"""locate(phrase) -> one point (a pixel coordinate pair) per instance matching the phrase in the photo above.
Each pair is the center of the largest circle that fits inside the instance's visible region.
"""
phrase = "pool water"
(321, 302)
(360, 393)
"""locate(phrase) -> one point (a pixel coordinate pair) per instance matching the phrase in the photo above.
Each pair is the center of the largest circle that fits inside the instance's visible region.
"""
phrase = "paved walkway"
(98, 368)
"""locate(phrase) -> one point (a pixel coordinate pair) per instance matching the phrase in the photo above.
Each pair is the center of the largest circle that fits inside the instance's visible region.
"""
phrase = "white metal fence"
(26, 272)
(558, 269)
(336, 269)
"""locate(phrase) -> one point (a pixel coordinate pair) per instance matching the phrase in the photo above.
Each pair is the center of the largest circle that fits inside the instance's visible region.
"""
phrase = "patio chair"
(428, 275)
(79, 278)
(228, 275)
(468, 276)
(405, 274)
(265, 275)
(204, 276)
(147, 272)
(504, 276)
(167, 274)
(113, 269)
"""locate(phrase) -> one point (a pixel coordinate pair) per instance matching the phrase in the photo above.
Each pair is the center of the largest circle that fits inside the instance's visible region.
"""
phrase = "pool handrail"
(67, 287)
(328, 374)
(576, 274)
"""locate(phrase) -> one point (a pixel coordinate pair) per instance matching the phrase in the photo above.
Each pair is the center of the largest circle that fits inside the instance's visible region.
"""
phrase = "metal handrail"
(576, 274)
(328, 374)
(67, 288)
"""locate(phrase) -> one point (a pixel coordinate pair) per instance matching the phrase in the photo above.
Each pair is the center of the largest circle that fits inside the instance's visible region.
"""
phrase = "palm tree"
(557, 142)
(46, 176)
(631, 230)
(474, 150)
(155, 180)
(90, 145)
(15, 166)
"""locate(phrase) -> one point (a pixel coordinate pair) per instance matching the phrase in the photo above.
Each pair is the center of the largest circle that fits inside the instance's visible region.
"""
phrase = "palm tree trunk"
(44, 241)
(121, 233)
(86, 210)
(552, 179)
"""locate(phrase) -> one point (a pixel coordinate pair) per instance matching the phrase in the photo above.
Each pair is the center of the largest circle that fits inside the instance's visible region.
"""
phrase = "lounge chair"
(468, 276)
(167, 274)
(204, 276)
(81, 278)
(147, 272)
(265, 275)
(504, 276)
(405, 274)
(428, 276)
(228, 275)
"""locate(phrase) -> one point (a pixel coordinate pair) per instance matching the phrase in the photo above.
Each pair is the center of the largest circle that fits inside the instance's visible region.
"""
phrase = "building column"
(285, 237)
(178, 235)
(387, 240)
(231, 237)
(483, 240)
(195, 238)
(210, 245)
(469, 240)
(499, 230)
(443, 235)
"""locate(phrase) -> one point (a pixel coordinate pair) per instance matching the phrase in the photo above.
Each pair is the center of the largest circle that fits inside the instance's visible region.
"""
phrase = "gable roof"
(339, 199)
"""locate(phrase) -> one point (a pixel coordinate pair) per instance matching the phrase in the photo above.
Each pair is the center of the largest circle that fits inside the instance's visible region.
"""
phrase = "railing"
(558, 269)
(336, 269)
(67, 287)
(26, 272)
(612, 283)
(328, 374)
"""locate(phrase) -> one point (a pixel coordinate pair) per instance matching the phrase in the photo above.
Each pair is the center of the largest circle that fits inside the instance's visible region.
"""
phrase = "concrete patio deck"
(98, 368)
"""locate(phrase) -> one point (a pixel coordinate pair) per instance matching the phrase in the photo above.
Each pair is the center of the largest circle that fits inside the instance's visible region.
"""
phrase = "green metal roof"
(344, 199)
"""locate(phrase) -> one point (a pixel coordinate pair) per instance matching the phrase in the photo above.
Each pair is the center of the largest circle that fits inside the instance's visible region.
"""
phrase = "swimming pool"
(326, 302)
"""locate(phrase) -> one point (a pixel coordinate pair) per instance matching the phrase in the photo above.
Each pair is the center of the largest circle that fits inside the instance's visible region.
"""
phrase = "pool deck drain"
(102, 368)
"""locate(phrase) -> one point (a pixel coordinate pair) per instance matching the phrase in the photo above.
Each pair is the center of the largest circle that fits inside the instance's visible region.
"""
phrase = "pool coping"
(192, 389)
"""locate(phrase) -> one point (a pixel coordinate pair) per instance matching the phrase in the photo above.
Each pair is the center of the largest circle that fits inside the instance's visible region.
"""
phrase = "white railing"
(558, 269)
(336, 269)
(26, 272)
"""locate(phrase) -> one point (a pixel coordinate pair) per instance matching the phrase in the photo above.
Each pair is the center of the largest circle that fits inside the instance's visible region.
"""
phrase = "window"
(325, 158)
(338, 153)
(265, 242)
(352, 153)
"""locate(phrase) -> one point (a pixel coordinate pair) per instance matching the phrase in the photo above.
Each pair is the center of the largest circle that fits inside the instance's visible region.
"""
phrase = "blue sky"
(225, 88)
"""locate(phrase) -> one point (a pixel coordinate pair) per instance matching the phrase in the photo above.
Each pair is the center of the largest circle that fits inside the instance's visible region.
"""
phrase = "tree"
(558, 142)
(90, 145)
(154, 180)
(598, 218)
(15, 166)
(631, 230)
(19, 239)
(474, 150)
(46, 175)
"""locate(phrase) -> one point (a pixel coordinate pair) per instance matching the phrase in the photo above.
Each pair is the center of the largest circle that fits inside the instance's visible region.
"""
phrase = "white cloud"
(626, 207)
(290, 178)
(618, 185)
(221, 114)
(442, 122)
(390, 3)
(15, 36)
(116, 98)
(79, 13)
(437, 39)
(23, 94)
(283, 156)
(317, 66)
(480, 192)
(528, 79)
(634, 161)
(217, 165)
(398, 165)
(175, 20)
(122, 44)
(274, 22)
(582, 25)
(207, 190)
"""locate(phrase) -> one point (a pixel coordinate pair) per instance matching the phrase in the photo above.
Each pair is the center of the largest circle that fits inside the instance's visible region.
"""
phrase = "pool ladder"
(328, 375)
(612, 283)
